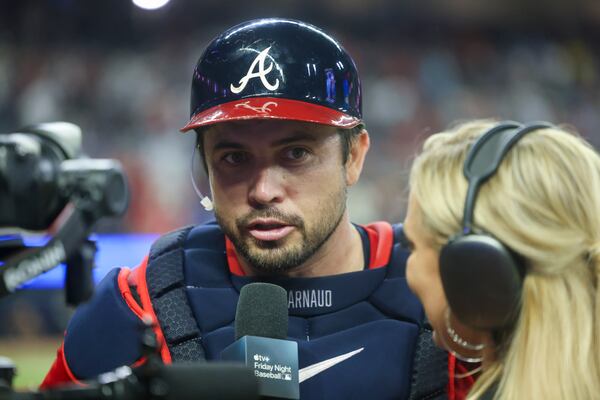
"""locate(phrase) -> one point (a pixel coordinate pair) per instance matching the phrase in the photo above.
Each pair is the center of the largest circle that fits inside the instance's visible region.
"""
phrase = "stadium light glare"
(150, 4)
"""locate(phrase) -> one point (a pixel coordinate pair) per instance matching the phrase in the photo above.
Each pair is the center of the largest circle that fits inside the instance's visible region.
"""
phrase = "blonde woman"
(531, 312)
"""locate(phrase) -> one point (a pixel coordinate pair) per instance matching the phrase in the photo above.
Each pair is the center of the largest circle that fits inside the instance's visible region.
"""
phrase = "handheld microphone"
(261, 324)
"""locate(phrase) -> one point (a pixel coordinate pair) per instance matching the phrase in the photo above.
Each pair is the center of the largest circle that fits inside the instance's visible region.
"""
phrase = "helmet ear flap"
(482, 280)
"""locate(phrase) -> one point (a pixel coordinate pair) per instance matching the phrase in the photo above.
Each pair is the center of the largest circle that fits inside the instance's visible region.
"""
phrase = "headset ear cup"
(482, 281)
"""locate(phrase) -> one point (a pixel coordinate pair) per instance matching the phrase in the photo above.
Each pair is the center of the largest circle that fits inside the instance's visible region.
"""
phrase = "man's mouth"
(269, 229)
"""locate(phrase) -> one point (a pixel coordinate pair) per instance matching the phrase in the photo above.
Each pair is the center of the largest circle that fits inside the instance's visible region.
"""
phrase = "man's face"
(279, 188)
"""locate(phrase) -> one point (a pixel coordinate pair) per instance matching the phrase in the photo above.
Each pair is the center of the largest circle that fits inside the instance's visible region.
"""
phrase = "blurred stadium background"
(123, 75)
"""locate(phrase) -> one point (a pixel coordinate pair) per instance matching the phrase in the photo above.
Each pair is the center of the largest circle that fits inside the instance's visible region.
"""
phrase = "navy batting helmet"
(275, 68)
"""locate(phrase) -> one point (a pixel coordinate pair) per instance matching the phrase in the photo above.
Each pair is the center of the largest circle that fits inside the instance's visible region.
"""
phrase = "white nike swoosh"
(312, 370)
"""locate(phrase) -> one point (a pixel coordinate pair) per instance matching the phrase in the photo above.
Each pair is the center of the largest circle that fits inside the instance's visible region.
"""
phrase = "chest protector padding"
(166, 287)
(369, 318)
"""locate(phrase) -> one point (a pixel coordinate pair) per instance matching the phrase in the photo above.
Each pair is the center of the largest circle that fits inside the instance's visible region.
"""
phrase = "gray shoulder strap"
(166, 286)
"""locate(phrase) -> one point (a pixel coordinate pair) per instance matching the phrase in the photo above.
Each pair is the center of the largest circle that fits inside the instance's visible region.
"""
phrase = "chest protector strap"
(166, 287)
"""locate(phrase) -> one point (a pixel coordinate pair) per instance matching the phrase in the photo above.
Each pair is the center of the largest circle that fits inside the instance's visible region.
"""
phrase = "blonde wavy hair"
(544, 203)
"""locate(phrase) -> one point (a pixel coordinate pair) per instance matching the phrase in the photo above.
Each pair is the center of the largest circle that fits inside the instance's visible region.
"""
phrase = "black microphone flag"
(261, 325)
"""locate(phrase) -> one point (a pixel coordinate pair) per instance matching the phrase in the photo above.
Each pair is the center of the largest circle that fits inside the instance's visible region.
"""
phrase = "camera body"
(42, 169)
(48, 187)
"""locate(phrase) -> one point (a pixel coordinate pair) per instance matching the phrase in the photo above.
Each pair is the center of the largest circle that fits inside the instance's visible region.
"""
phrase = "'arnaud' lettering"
(309, 298)
(262, 73)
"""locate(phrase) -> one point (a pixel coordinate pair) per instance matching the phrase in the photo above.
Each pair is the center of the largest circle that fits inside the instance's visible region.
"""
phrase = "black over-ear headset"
(482, 278)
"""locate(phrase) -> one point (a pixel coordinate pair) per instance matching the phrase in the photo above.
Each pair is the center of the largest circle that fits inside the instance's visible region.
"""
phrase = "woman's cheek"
(411, 278)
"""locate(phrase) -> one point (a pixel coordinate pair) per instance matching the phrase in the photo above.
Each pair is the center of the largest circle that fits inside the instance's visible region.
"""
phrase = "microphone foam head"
(262, 310)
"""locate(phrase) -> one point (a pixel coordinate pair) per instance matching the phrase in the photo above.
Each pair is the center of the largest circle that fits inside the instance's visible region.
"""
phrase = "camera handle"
(70, 244)
(79, 279)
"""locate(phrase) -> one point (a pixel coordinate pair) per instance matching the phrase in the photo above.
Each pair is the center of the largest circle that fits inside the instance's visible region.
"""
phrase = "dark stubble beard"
(278, 257)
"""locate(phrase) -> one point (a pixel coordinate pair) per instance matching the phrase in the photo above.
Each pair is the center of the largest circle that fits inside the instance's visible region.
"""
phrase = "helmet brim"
(271, 108)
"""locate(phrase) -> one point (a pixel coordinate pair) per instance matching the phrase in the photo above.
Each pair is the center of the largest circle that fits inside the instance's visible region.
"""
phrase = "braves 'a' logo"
(262, 73)
(264, 109)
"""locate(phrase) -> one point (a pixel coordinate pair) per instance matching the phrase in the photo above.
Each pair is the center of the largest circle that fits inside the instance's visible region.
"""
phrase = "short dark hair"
(347, 138)
(200, 146)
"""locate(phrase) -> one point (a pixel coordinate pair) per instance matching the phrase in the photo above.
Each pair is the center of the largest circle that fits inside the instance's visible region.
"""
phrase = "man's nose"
(267, 187)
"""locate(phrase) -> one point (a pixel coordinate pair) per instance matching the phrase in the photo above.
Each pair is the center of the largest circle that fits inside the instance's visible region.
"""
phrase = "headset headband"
(485, 156)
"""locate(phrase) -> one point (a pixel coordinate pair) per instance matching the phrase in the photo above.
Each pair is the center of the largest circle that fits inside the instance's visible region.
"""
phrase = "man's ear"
(356, 158)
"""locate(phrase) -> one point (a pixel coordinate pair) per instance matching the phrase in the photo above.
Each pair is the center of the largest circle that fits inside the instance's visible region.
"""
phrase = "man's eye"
(296, 153)
(235, 158)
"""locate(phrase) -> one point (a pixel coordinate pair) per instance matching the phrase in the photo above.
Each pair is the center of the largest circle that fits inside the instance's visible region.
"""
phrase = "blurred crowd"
(130, 103)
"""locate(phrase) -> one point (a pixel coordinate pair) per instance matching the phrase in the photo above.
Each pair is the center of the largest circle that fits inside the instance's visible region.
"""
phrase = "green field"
(32, 358)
